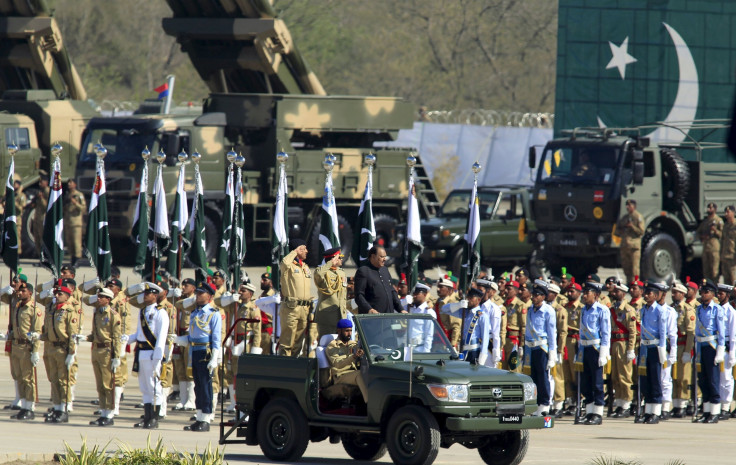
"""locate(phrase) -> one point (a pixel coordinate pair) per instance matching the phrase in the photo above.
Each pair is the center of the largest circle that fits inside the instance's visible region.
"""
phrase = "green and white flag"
(280, 241)
(179, 230)
(413, 245)
(471, 248)
(198, 250)
(226, 227)
(365, 230)
(9, 238)
(52, 252)
(158, 230)
(98, 235)
(329, 235)
(237, 238)
(139, 234)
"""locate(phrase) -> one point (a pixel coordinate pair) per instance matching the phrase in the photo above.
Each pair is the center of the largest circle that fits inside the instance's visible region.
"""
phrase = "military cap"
(296, 242)
(552, 287)
(445, 282)
(206, 287)
(475, 292)
(691, 284)
(565, 276)
(394, 281)
(23, 278)
(420, 287)
(163, 285)
(344, 324)
(266, 275)
(501, 279)
(679, 287)
(188, 281)
(526, 286)
(330, 253)
(636, 282)
(25, 285)
(68, 268)
(724, 288)
(68, 281)
(218, 274)
(554, 279)
(249, 286)
(540, 287)
(621, 286)
(429, 281)
(707, 285)
(593, 286)
(103, 291)
(611, 280)
(483, 283)
(575, 286)
(513, 284)
(521, 272)
(151, 288)
(402, 278)
(593, 278)
(63, 289)
(655, 286)
(115, 282)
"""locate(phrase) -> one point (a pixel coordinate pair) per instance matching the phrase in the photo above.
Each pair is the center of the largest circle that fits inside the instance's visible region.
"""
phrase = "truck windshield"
(123, 146)
(396, 336)
(457, 202)
(594, 165)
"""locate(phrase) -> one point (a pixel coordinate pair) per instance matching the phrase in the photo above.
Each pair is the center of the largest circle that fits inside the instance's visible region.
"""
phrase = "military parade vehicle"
(421, 398)
(43, 100)
(585, 177)
(264, 100)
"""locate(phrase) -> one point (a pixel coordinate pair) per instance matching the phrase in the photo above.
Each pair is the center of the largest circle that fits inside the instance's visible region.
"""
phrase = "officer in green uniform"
(331, 285)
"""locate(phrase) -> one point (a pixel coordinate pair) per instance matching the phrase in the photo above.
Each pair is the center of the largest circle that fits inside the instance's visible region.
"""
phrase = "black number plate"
(511, 418)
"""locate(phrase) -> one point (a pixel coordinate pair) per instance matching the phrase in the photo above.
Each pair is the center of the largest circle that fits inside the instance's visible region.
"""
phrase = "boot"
(153, 422)
(147, 414)
(198, 418)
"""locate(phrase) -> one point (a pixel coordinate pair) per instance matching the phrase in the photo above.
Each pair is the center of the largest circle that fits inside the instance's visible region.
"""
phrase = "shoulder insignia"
(692, 318)
(79, 311)
(74, 320)
(523, 311)
(39, 313)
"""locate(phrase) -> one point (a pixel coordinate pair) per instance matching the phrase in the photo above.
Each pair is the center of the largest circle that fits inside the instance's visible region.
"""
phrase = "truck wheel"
(507, 448)
(282, 430)
(675, 179)
(368, 447)
(413, 436)
(661, 258)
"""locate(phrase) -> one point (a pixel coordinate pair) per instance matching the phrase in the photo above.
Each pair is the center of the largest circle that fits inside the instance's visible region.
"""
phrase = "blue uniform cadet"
(204, 352)
(476, 328)
(594, 350)
(541, 342)
(653, 351)
(710, 343)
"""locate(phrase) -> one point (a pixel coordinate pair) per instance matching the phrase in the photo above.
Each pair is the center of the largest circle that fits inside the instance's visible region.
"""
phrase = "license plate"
(569, 242)
(511, 419)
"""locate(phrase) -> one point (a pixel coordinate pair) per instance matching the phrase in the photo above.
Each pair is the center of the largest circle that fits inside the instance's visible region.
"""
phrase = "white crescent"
(685, 107)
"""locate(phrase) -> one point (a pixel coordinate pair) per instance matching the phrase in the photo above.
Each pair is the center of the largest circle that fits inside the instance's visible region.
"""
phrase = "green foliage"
(86, 456)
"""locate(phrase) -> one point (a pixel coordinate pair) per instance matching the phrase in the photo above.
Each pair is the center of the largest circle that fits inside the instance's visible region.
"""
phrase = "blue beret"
(344, 323)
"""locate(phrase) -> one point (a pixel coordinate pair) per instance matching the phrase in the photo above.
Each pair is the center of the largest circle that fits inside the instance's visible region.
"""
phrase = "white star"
(621, 57)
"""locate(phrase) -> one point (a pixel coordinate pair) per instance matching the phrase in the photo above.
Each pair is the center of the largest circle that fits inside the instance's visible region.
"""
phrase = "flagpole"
(12, 150)
(183, 157)
(160, 157)
(238, 209)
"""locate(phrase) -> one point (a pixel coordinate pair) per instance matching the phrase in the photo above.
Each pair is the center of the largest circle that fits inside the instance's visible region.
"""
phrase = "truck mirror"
(638, 177)
(532, 157)
(638, 155)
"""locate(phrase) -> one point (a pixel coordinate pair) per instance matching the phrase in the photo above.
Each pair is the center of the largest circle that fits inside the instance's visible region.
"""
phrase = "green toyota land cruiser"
(421, 397)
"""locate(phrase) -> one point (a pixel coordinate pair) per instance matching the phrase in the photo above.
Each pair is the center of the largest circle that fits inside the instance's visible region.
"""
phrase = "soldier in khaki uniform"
(685, 343)
(728, 247)
(331, 284)
(106, 349)
(9, 296)
(709, 232)
(343, 353)
(691, 297)
(296, 301)
(60, 326)
(630, 228)
(574, 307)
(20, 204)
(180, 358)
(266, 323)
(515, 325)
(74, 208)
(623, 342)
(39, 204)
(553, 290)
(452, 325)
(561, 298)
(247, 334)
(120, 305)
(27, 320)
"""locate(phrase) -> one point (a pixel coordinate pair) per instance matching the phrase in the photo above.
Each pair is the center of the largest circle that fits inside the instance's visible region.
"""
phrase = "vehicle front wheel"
(368, 447)
(506, 448)
(413, 436)
(661, 257)
(282, 430)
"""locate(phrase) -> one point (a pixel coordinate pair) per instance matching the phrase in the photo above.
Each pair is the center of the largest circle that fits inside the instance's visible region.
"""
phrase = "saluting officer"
(27, 320)
(709, 232)
(9, 296)
(106, 350)
(476, 326)
(709, 350)
(653, 352)
(184, 307)
(553, 290)
(595, 351)
(296, 302)
(541, 345)
(623, 342)
(726, 381)
(630, 228)
(331, 284)
(685, 342)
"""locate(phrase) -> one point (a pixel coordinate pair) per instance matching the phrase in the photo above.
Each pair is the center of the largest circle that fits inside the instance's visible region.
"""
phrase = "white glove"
(496, 355)
(732, 358)
(79, 338)
(34, 336)
(92, 299)
(603, 355)
(277, 298)
(135, 289)
(34, 358)
(687, 357)
(48, 285)
(188, 302)
(662, 355)
(139, 298)
(87, 286)
(177, 292)
(551, 362)
(520, 351)
(228, 342)
(482, 358)
(409, 299)
(115, 364)
(212, 364)
(124, 339)
(239, 349)
(672, 359)
(463, 303)
(256, 350)
(560, 358)
(228, 299)
(4, 336)
(6, 290)
(630, 356)
(182, 340)
(46, 294)
(69, 361)
(720, 352)
(157, 366)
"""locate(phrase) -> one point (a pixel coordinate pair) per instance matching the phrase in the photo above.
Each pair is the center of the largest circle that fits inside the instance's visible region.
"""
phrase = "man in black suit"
(373, 290)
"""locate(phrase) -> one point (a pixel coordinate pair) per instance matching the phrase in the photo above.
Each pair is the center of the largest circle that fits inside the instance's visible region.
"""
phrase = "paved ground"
(566, 443)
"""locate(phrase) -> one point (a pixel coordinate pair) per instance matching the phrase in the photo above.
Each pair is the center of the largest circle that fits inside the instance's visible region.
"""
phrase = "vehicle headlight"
(540, 237)
(530, 391)
(435, 235)
(451, 392)
(601, 239)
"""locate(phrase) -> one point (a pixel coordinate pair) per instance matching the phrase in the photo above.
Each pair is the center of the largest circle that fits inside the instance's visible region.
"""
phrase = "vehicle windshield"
(594, 165)
(392, 336)
(457, 202)
(123, 146)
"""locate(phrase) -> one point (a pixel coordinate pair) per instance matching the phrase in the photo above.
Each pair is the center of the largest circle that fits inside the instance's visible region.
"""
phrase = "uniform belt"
(199, 344)
(101, 345)
(298, 301)
(59, 344)
(619, 337)
(589, 342)
(572, 332)
(144, 345)
(573, 336)
(471, 346)
(21, 342)
(541, 342)
(705, 338)
(183, 332)
(650, 342)
(512, 332)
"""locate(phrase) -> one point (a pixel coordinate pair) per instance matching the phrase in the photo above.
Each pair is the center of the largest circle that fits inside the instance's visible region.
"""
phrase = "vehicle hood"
(453, 372)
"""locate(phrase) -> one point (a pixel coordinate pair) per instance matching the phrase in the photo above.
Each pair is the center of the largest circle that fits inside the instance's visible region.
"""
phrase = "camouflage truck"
(585, 178)
(43, 100)
(264, 100)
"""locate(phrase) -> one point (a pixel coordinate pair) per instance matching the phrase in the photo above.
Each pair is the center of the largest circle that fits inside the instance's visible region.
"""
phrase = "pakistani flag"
(9, 238)
(471, 247)
(280, 241)
(179, 230)
(329, 235)
(198, 250)
(52, 252)
(223, 254)
(139, 234)
(237, 238)
(365, 231)
(413, 245)
(98, 235)
(158, 230)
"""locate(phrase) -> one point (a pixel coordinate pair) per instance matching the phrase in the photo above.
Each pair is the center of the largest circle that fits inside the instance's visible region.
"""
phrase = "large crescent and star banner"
(624, 63)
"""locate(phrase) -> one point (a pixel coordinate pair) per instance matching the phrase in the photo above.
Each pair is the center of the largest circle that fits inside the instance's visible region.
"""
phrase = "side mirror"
(532, 157)
(638, 168)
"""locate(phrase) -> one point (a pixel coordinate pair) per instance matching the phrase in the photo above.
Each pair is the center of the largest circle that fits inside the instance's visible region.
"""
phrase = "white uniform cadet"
(725, 386)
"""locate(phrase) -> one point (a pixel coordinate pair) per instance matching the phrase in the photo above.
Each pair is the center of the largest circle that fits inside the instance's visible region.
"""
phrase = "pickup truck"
(421, 397)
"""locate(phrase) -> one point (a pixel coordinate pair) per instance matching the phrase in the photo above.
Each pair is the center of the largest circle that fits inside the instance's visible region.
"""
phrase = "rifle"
(578, 401)
(694, 387)
(637, 416)
(609, 385)
(35, 372)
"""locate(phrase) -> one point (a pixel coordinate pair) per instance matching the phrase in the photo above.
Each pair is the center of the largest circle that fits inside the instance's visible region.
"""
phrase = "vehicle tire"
(661, 257)
(385, 226)
(282, 430)
(675, 179)
(506, 448)
(345, 232)
(366, 447)
(413, 436)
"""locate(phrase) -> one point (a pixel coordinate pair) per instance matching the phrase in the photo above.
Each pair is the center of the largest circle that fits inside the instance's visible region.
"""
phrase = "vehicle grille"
(483, 393)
